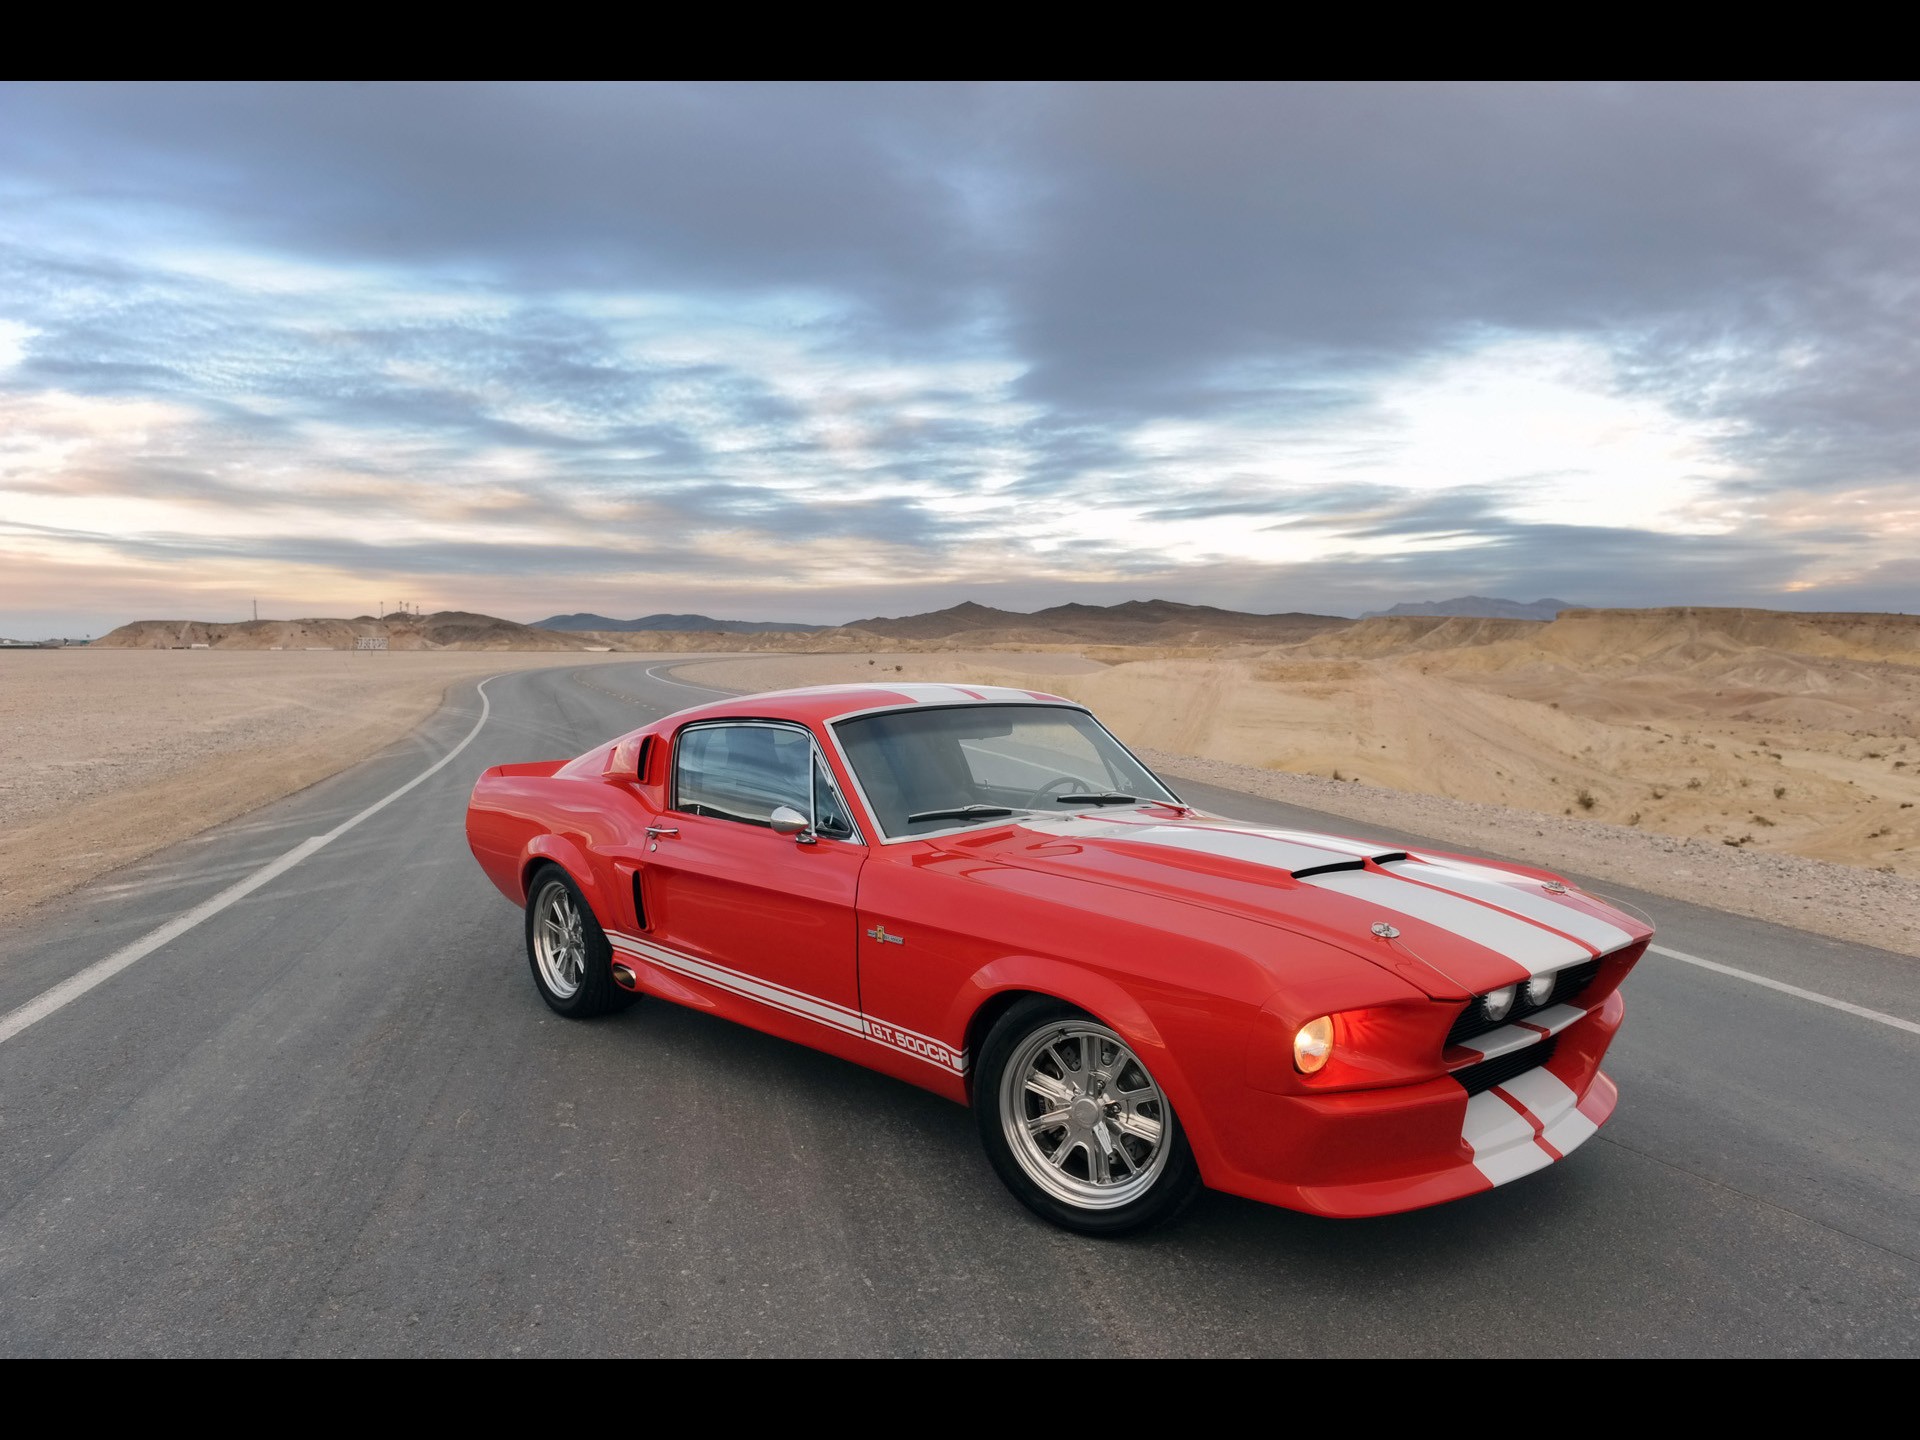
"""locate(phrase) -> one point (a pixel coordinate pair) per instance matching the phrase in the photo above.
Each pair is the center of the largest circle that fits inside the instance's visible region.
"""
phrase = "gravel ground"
(1845, 901)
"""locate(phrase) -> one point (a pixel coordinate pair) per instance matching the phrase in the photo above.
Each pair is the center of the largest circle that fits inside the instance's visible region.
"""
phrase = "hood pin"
(1385, 931)
(1554, 887)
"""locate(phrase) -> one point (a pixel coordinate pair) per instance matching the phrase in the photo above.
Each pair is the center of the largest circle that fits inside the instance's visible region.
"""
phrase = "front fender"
(1108, 1002)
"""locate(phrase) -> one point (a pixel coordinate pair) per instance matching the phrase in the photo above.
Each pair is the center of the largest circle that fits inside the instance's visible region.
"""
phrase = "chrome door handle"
(654, 832)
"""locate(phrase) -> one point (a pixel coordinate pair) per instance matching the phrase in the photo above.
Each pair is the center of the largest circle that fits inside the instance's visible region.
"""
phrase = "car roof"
(817, 704)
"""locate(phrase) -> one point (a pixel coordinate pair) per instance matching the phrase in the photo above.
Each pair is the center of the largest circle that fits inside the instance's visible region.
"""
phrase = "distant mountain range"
(1484, 607)
(586, 621)
(1134, 622)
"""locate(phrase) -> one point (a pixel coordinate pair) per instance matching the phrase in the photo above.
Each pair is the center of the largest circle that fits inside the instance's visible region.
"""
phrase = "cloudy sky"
(822, 352)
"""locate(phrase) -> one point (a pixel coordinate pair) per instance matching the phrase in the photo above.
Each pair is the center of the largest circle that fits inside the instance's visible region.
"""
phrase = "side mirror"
(786, 820)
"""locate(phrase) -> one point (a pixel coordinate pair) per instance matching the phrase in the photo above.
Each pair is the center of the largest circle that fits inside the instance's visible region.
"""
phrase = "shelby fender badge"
(879, 932)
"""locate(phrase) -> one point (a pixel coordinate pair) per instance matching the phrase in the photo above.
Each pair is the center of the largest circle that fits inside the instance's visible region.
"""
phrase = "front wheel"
(567, 950)
(1076, 1125)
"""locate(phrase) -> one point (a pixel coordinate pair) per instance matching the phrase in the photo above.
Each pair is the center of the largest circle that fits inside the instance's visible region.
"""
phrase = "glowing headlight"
(1539, 990)
(1312, 1045)
(1496, 1003)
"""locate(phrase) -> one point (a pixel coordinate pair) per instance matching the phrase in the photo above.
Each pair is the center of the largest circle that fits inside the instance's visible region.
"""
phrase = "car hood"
(1452, 927)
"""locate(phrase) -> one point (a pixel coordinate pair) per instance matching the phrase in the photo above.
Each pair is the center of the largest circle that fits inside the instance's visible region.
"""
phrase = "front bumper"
(1379, 1152)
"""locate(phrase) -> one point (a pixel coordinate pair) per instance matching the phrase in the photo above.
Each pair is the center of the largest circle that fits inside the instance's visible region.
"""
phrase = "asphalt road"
(335, 1118)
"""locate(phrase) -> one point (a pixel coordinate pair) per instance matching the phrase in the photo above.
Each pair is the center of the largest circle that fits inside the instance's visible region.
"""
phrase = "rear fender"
(558, 850)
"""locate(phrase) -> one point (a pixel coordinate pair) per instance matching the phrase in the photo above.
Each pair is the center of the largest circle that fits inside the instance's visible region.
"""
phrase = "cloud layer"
(822, 351)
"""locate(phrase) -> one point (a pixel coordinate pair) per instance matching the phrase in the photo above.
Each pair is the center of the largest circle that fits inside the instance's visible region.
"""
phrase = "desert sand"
(110, 755)
(1687, 753)
(1761, 762)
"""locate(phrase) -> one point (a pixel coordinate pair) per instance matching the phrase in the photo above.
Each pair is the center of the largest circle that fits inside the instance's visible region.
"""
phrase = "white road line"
(703, 689)
(1786, 989)
(74, 986)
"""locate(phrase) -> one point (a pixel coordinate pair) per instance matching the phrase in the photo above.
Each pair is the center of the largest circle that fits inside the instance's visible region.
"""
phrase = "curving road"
(331, 1116)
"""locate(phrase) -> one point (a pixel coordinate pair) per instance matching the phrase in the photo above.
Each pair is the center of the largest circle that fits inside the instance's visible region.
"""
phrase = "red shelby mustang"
(983, 892)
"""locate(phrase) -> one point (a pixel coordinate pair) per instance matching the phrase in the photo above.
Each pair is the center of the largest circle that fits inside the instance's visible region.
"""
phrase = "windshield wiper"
(1104, 797)
(960, 812)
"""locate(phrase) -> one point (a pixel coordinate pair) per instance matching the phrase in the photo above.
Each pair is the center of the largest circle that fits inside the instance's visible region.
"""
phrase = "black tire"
(594, 993)
(1166, 1192)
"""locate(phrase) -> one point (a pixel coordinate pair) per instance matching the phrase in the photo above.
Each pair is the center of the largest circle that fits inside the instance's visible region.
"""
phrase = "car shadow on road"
(898, 1117)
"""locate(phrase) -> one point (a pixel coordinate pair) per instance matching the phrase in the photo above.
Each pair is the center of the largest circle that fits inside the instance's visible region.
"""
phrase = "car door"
(736, 904)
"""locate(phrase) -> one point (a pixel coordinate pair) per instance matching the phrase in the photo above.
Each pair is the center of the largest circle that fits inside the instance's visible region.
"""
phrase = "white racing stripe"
(794, 1002)
(1364, 848)
(1544, 1094)
(1526, 944)
(1879, 1016)
(1517, 895)
(1504, 1041)
(1570, 1131)
(1501, 1140)
(1555, 1018)
(948, 694)
(1541, 1025)
(826, 1012)
(1498, 917)
(1249, 846)
(101, 971)
(1505, 1143)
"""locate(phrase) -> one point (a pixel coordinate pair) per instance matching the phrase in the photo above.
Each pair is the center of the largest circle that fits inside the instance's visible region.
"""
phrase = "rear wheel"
(567, 950)
(1076, 1125)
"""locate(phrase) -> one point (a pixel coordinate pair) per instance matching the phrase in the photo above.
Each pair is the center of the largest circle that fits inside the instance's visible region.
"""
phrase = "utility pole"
(256, 610)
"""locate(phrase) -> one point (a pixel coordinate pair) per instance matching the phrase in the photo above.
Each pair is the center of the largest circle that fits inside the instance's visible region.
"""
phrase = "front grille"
(1502, 1068)
(1567, 986)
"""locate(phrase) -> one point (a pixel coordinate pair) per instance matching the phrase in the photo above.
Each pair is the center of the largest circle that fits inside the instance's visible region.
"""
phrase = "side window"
(743, 772)
(829, 812)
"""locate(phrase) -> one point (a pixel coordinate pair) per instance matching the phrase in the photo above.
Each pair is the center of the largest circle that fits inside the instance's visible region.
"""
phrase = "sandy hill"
(1134, 622)
(1691, 633)
(446, 630)
(1401, 634)
(1484, 607)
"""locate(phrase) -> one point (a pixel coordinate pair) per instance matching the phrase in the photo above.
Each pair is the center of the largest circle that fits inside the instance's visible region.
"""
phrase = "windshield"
(930, 769)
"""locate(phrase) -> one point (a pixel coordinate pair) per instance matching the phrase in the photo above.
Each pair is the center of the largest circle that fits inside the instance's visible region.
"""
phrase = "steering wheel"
(1063, 785)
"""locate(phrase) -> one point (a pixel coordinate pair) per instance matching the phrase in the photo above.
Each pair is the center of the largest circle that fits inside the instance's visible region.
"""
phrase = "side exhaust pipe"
(625, 978)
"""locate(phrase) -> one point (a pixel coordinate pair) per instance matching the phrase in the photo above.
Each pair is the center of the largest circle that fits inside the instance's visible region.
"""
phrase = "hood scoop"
(1358, 862)
(1294, 853)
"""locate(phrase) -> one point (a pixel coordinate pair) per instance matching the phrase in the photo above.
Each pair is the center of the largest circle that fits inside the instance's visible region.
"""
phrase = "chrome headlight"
(1496, 1003)
(1540, 990)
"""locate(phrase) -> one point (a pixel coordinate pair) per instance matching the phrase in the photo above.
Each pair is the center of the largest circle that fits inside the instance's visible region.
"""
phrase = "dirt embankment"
(446, 630)
(109, 756)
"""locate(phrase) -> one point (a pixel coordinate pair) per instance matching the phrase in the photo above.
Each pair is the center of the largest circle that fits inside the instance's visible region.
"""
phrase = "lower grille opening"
(1502, 1068)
